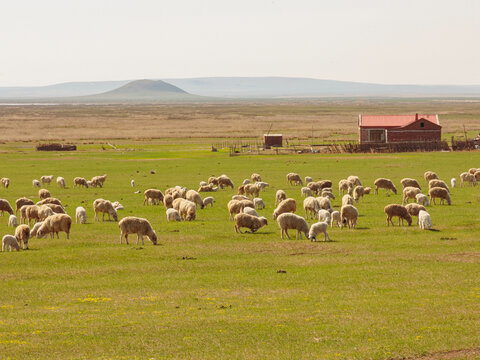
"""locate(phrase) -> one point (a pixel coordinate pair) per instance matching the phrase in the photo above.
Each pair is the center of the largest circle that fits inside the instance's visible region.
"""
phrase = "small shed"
(398, 128)
(275, 140)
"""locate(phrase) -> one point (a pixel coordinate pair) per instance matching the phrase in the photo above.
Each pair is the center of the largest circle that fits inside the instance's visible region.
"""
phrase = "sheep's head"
(114, 215)
(275, 216)
(153, 238)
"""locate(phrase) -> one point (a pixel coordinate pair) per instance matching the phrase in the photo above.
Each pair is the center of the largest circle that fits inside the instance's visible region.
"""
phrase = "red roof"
(384, 121)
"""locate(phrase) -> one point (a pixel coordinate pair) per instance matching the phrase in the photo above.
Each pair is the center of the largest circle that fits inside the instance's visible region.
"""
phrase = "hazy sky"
(383, 41)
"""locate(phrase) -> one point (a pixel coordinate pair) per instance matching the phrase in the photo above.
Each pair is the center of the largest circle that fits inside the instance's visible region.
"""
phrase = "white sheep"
(255, 177)
(308, 179)
(318, 228)
(292, 221)
(324, 203)
(80, 181)
(249, 221)
(209, 200)
(324, 215)
(294, 179)
(55, 224)
(22, 234)
(34, 230)
(12, 221)
(453, 182)
(287, 205)
(61, 182)
(139, 226)
(347, 200)
(311, 207)
(46, 179)
(9, 242)
(387, 184)
(280, 196)
(35, 183)
(173, 215)
(188, 210)
(262, 185)
(424, 220)
(358, 192)
(104, 206)
(250, 211)
(5, 182)
(355, 180)
(422, 199)
(306, 192)
(258, 203)
(80, 215)
(132, 183)
(195, 197)
(336, 218)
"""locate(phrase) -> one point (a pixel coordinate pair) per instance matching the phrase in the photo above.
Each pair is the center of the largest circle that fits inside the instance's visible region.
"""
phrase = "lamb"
(80, 215)
(251, 190)
(410, 182)
(288, 221)
(240, 197)
(424, 220)
(5, 182)
(422, 199)
(256, 177)
(195, 197)
(167, 201)
(335, 218)
(132, 183)
(22, 234)
(410, 192)
(397, 210)
(468, 178)
(61, 182)
(5, 206)
(208, 201)
(358, 192)
(173, 215)
(438, 183)
(348, 216)
(12, 221)
(249, 221)
(34, 230)
(453, 181)
(317, 228)
(387, 184)
(441, 193)
(285, 206)
(80, 181)
(35, 183)
(44, 212)
(280, 196)
(345, 186)
(324, 203)
(311, 206)
(139, 226)
(9, 242)
(367, 190)
(308, 179)
(154, 194)
(347, 200)
(104, 206)
(294, 179)
(355, 180)
(250, 211)
(188, 210)
(99, 180)
(224, 181)
(213, 180)
(50, 200)
(54, 224)
(207, 188)
(324, 215)
(235, 207)
(413, 209)
(246, 181)
(46, 179)
(258, 203)
(430, 175)
(43, 194)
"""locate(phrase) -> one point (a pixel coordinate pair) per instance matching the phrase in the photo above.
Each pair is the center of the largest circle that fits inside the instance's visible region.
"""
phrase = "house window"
(376, 135)
(422, 124)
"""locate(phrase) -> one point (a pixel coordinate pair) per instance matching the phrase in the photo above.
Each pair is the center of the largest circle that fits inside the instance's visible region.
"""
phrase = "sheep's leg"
(286, 232)
(281, 233)
(126, 239)
(68, 235)
(121, 238)
(56, 232)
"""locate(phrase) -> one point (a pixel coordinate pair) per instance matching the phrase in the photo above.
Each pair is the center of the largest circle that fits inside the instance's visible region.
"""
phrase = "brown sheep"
(410, 192)
(249, 221)
(413, 209)
(430, 175)
(80, 181)
(22, 234)
(43, 194)
(54, 224)
(287, 205)
(440, 193)
(410, 182)
(22, 201)
(294, 179)
(393, 210)
(50, 200)
(387, 184)
(155, 195)
(104, 206)
(139, 226)
(5, 206)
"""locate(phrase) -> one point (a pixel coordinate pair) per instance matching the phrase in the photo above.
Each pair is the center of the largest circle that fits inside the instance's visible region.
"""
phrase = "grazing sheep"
(410, 182)
(89, 183)
(154, 194)
(58, 209)
(5, 206)
(61, 182)
(324, 203)
(44, 211)
(358, 192)
(249, 221)
(203, 183)
(347, 200)
(195, 197)
(288, 221)
(104, 206)
(207, 188)
(5, 182)
(22, 201)
(12, 221)
(424, 220)
(410, 192)
(348, 216)
(250, 211)
(336, 218)
(80, 181)
(43, 194)
(430, 175)
(31, 213)
(80, 215)
(224, 181)
(208, 201)
(240, 197)
(34, 230)
(188, 210)
(262, 185)
(258, 203)
(176, 203)
(246, 181)
(54, 224)
(139, 226)
(308, 179)
(173, 215)
(438, 183)
(314, 187)
(355, 180)
(167, 201)
(35, 183)
(324, 215)
(235, 207)
(393, 210)
(467, 178)
(50, 200)
(213, 180)
(22, 234)
(46, 179)
(9, 242)
(251, 190)
(367, 190)
(345, 186)
(305, 192)
(311, 206)
(99, 180)
(387, 184)
(472, 170)
(328, 193)
(477, 176)
(248, 203)
(413, 209)
(23, 213)
(132, 183)
(422, 199)
(324, 184)
(280, 196)
(294, 179)
(441, 193)
(453, 181)
(317, 228)
(255, 177)
(285, 206)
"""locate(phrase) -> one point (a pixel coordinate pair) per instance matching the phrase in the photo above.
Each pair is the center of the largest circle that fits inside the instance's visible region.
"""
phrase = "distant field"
(205, 292)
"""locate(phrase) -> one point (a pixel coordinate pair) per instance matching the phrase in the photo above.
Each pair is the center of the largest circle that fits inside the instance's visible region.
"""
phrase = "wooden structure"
(272, 140)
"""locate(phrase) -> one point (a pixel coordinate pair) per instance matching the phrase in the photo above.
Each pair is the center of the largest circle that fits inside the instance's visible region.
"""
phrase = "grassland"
(205, 292)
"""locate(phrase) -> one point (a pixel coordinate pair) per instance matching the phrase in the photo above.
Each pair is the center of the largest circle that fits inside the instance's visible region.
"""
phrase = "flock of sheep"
(49, 216)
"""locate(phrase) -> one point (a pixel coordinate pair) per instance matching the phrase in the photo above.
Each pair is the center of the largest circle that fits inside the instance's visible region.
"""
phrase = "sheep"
(43, 194)
(99, 180)
(31, 213)
(262, 185)
(324, 184)
(22, 201)
(104, 206)
(292, 221)
(358, 192)
(327, 193)
(355, 180)
(280, 196)
(324, 203)
(23, 213)
(424, 220)
(311, 206)
(317, 228)
(308, 179)
(208, 201)
(413, 209)
(430, 175)
(246, 181)
(347, 200)
(22, 234)
(397, 210)
(224, 181)
(89, 184)
(255, 177)
(387, 184)
(54, 224)
(250, 211)
(188, 210)
(453, 181)
(477, 176)
(203, 183)
(207, 188)
(177, 192)
(249, 221)
(251, 190)
(35, 183)
(212, 180)
(335, 218)
(5, 182)
(44, 212)
(348, 216)
(248, 203)
(132, 183)
(80, 215)
(468, 178)
(61, 182)
(34, 230)
(139, 226)
(314, 187)
(80, 181)
(9, 242)
(5, 206)
(50, 200)
(46, 179)
(345, 186)
(367, 190)
(294, 179)
(167, 201)
(441, 193)
(472, 170)
(173, 215)
(324, 215)
(240, 197)
(195, 197)
(12, 221)
(235, 207)
(410, 182)
(241, 190)
(117, 206)
(258, 203)
(287, 205)
(410, 192)
(176, 203)
(154, 194)
(422, 199)
(438, 183)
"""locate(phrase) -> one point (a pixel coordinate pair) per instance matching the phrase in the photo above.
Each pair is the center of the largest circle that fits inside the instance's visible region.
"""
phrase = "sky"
(377, 41)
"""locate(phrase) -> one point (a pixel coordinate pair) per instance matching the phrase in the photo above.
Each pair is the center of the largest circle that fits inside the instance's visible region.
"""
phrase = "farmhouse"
(398, 128)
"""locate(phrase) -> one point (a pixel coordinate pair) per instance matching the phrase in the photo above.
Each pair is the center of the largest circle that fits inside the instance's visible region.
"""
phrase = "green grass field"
(205, 292)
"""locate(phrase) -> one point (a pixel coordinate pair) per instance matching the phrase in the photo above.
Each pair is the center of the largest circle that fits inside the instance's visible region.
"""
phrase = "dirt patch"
(444, 355)
(460, 257)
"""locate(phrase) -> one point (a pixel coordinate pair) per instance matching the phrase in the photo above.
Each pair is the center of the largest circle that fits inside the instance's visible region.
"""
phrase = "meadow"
(205, 292)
